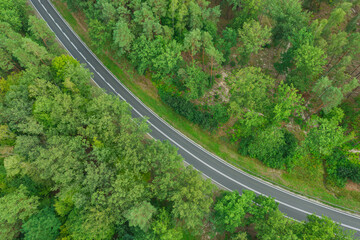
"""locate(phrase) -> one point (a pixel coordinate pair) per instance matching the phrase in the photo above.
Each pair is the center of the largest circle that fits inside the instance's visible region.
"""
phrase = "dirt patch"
(5, 151)
(351, 186)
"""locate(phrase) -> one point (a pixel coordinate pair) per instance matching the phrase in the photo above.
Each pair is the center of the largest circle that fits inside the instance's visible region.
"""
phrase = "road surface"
(218, 170)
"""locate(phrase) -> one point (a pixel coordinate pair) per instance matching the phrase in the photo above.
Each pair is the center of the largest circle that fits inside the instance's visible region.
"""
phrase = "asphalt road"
(218, 170)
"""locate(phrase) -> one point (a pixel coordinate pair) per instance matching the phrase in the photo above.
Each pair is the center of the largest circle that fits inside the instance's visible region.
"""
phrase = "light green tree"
(253, 37)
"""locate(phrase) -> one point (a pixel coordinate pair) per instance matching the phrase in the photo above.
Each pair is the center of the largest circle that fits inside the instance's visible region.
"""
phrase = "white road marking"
(205, 151)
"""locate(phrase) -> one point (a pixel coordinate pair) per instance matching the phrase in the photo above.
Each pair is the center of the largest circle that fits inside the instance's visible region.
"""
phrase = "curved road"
(218, 170)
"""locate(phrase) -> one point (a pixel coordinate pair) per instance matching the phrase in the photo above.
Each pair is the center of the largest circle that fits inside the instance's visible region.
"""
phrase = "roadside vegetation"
(270, 87)
(74, 164)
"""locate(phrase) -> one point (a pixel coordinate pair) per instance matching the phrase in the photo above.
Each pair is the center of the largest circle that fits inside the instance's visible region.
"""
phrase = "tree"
(322, 228)
(123, 36)
(192, 42)
(191, 199)
(309, 62)
(144, 51)
(288, 102)
(14, 13)
(194, 80)
(167, 61)
(30, 54)
(323, 137)
(337, 16)
(215, 57)
(250, 90)
(150, 24)
(100, 35)
(276, 226)
(228, 40)
(288, 16)
(230, 210)
(16, 207)
(163, 227)
(250, 10)
(43, 226)
(91, 223)
(140, 215)
(41, 31)
(253, 37)
(273, 146)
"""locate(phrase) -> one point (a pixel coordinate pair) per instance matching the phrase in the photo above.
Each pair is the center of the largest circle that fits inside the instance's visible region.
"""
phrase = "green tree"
(91, 223)
(43, 226)
(253, 37)
(276, 226)
(230, 210)
(195, 80)
(250, 90)
(192, 42)
(323, 137)
(163, 227)
(250, 10)
(288, 102)
(192, 199)
(140, 215)
(288, 17)
(16, 207)
(41, 31)
(122, 35)
(100, 35)
(309, 62)
(322, 228)
(14, 13)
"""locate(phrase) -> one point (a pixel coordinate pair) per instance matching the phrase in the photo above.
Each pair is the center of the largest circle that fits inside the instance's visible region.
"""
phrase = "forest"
(281, 78)
(74, 164)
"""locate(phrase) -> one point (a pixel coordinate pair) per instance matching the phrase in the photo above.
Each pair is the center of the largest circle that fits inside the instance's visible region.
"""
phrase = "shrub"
(206, 117)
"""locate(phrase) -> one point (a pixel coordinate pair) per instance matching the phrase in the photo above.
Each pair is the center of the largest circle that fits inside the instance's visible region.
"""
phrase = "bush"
(341, 168)
(273, 146)
(206, 117)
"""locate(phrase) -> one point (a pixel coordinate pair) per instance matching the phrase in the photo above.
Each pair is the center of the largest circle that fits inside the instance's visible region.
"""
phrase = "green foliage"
(309, 62)
(16, 207)
(195, 80)
(122, 36)
(250, 10)
(273, 146)
(323, 137)
(276, 226)
(253, 37)
(140, 215)
(43, 226)
(250, 89)
(192, 199)
(14, 12)
(163, 227)
(198, 115)
(100, 35)
(288, 103)
(228, 40)
(322, 228)
(342, 166)
(230, 210)
(288, 17)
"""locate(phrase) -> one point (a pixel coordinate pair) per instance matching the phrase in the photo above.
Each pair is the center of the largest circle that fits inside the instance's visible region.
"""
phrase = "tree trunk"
(332, 58)
(203, 56)
(212, 63)
(338, 61)
(355, 70)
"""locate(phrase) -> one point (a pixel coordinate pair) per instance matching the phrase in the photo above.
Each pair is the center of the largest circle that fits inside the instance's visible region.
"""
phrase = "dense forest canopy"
(285, 73)
(74, 164)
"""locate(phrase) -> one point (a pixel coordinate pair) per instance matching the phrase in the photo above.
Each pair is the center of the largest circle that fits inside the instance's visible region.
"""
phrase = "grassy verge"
(299, 180)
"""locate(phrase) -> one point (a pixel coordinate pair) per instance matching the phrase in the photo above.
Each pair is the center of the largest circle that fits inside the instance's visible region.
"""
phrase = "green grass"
(297, 180)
